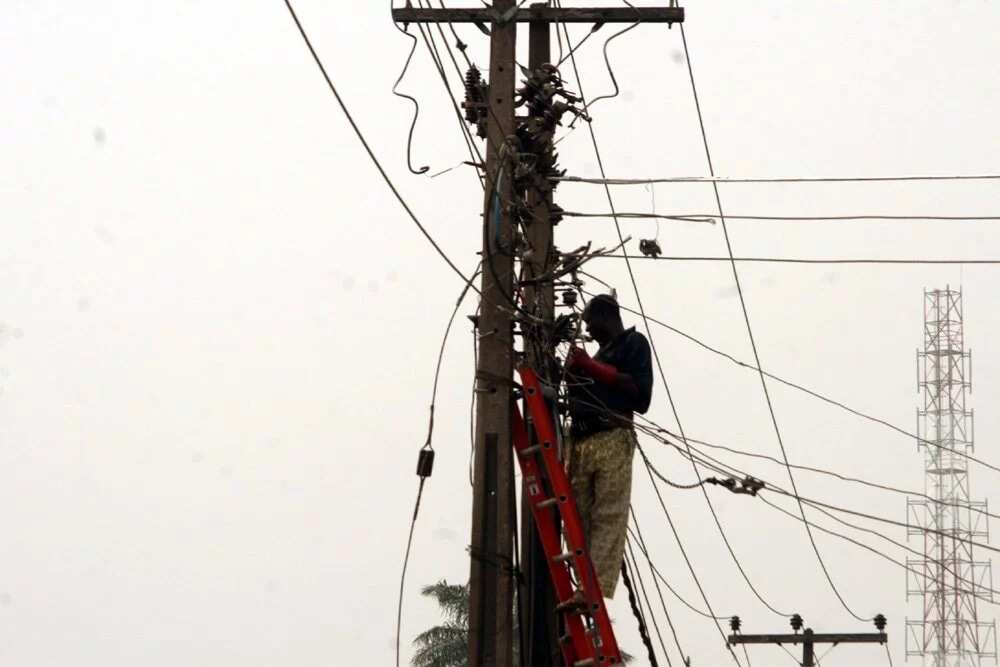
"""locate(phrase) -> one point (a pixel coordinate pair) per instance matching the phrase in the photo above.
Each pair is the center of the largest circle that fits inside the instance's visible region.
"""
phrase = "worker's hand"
(579, 361)
(577, 358)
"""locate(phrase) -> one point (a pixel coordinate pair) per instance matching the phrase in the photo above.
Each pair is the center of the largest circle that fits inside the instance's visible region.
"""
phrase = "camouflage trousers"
(600, 472)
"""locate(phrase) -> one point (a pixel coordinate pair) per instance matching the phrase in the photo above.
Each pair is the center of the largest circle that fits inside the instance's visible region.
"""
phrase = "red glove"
(578, 360)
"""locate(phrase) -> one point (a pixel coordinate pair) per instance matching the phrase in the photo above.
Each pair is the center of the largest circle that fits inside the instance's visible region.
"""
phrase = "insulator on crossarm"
(796, 622)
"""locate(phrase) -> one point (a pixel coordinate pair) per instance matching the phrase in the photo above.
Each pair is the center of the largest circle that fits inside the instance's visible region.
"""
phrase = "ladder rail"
(605, 649)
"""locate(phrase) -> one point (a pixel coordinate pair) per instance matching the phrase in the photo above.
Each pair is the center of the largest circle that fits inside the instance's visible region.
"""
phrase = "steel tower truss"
(948, 580)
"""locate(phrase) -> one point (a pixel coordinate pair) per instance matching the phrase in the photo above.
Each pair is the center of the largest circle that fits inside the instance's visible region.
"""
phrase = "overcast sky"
(218, 329)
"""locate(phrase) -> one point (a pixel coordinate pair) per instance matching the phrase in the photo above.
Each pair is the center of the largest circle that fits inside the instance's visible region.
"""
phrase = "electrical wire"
(635, 287)
(804, 389)
(637, 612)
(726, 469)
(413, 100)
(797, 179)
(427, 445)
(432, 50)
(563, 58)
(843, 477)
(656, 356)
(406, 562)
(790, 654)
(710, 218)
(680, 545)
(371, 154)
(801, 260)
(629, 557)
(663, 604)
(611, 72)
(666, 583)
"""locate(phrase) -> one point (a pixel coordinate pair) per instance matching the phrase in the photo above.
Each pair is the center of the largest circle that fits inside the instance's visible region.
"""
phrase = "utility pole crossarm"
(544, 14)
(846, 638)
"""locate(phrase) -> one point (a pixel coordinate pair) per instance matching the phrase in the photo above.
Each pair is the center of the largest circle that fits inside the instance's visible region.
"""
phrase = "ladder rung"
(548, 502)
(574, 604)
(530, 451)
(586, 662)
(567, 556)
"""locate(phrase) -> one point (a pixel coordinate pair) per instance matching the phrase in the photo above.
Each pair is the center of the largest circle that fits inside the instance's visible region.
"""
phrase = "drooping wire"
(801, 260)
(656, 356)
(629, 564)
(432, 50)
(802, 388)
(753, 342)
(842, 477)
(611, 72)
(710, 217)
(726, 469)
(723, 179)
(635, 287)
(663, 603)
(670, 588)
(637, 613)
(428, 444)
(371, 154)
(572, 50)
(413, 100)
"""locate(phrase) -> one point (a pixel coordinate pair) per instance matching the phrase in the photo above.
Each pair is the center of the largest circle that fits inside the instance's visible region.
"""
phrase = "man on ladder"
(604, 392)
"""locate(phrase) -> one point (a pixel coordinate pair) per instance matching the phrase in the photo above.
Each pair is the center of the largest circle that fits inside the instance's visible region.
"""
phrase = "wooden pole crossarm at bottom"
(848, 638)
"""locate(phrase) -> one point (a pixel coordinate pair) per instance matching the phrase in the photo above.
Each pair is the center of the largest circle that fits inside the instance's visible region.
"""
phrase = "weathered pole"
(540, 630)
(491, 573)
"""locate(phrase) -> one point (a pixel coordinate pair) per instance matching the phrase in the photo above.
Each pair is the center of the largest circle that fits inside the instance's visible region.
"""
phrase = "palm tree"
(447, 645)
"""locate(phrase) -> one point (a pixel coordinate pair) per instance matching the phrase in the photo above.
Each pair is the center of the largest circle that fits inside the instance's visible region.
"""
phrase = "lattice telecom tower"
(948, 580)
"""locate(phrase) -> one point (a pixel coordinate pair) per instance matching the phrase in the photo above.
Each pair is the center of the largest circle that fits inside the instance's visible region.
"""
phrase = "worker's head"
(603, 318)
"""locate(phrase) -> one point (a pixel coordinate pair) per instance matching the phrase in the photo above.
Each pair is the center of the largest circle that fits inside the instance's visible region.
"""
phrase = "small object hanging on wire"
(880, 622)
(749, 486)
(650, 247)
(734, 624)
(425, 462)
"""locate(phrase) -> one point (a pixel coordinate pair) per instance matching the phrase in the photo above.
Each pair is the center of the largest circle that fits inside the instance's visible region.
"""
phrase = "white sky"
(218, 330)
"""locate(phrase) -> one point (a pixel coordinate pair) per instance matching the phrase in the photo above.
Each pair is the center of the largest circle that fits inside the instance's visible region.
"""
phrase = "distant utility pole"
(948, 580)
(491, 582)
(809, 639)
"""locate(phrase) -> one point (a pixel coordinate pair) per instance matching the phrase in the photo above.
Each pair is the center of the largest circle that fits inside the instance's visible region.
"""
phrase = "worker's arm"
(579, 361)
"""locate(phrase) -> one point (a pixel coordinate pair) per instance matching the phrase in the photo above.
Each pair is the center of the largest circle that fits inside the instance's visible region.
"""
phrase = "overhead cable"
(804, 389)
(802, 260)
(371, 154)
(794, 179)
(727, 469)
(710, 217)
(413, 100)
(663, 377)
(746, 318)
(428, 445)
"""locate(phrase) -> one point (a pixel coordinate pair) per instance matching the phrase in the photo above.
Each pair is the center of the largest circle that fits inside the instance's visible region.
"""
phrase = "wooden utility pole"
(491, 575)
(491, 622)
(809, 639)
(539, 627)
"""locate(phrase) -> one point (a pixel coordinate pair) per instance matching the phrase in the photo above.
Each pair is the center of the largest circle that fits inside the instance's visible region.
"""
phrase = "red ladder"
(590, 639)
